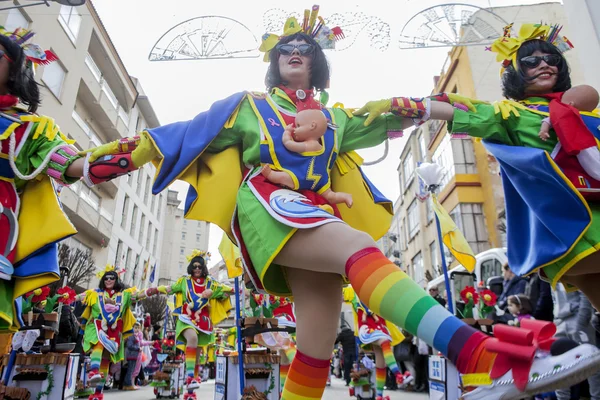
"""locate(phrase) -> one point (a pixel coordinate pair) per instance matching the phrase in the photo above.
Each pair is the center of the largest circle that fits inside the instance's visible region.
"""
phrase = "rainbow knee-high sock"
(388, 356)
(190, 361)
(379, 380)
(306, 378)
(389, 292)
(283, 372)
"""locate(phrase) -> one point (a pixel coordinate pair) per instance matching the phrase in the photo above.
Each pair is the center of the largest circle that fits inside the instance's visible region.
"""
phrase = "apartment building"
(94, 100)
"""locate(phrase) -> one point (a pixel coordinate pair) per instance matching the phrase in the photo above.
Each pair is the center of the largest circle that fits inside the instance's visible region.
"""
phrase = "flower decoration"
(39, 294)
(67, 295)
(469, 295)
(488, 297)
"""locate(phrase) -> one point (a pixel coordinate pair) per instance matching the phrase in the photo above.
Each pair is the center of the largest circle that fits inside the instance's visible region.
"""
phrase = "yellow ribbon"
(269, 40)
(507, 47)
(108, 268)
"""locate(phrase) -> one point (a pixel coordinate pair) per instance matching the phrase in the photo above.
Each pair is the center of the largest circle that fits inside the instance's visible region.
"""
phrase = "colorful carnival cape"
(182, 146)
(218, 307)
(351, 298)
(538, 234)
(92, 297)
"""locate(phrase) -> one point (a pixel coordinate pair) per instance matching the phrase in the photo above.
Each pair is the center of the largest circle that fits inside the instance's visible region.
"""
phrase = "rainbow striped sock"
(389, 292)
(96, 357)
(283, 372)
(306, 378)
(190, 361)
(390, 360)
(379, 380)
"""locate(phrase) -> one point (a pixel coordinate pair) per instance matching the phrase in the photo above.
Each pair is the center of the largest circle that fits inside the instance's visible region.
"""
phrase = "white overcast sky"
(179, 90)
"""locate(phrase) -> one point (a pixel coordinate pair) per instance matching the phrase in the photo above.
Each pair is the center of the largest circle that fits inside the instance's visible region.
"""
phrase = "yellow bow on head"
(270, 40)
(507, 46)
(199, 253)
(108, 268)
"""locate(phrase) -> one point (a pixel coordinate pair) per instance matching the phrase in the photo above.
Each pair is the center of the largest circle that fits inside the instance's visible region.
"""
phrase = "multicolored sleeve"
(44, 149)
(220, 291)
(358, 136)
(487, 123)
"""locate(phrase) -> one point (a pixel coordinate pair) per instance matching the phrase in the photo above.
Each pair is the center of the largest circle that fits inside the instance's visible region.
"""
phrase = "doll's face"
(544, 76)
(583, 97)
(310, 125)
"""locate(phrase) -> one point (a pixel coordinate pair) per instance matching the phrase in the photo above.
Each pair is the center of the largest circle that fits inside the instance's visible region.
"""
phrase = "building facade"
(471, 187)
(181, 237)
(94, 100)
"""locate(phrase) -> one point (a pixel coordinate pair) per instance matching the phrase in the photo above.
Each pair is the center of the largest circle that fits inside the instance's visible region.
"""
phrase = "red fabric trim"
(310, 361)
(358, 255)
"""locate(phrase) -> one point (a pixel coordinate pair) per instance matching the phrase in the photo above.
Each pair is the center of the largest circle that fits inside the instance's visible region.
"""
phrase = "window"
(127, 258)
(418, 272)
(124, 212)
(119, 253)
(403, 235)
(413, 219)
(54, 77)
(140, 182)
(455, 156)
(197, 237)
(15, 20)
(422, 147)
(76, 244)
(87, 195)
(430, 212)
(182, 235)
(133, 220)
(160, 197)
(182, 251)
(490, 268)
(185, 222)
(434, 253)
(408, 170)
(148, 235)
(180, 266)
(147, 190)
(142, 226)
(155, 242)
(470, 220)
(70, 20)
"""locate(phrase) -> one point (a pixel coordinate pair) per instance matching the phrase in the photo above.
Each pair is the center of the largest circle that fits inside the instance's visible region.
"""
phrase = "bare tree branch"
(81, 265)
(156, 306)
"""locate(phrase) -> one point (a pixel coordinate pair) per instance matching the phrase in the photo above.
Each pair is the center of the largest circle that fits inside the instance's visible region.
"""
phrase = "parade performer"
(32, 150)
(377, 334)
(551, 194)
(200, 303)
(107, 321)
(290, 243)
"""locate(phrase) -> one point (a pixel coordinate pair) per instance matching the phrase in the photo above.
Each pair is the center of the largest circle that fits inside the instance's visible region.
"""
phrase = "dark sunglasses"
(110, 278)
(533, 61)
(287, 49)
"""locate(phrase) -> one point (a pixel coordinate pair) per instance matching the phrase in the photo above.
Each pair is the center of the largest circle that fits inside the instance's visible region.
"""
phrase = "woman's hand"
(374, 109)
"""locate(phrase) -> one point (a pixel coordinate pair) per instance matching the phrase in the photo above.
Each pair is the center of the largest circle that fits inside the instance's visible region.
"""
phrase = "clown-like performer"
(107, 321)
(374, 332)
(551, 187)
(200, 303)
(290, 244)
(32, 150)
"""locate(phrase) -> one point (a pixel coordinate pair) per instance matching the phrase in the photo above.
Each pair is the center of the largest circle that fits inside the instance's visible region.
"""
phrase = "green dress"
(521, 128)
(262, 234)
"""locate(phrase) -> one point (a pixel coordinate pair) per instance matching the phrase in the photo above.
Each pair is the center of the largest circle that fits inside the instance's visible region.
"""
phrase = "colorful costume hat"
(34, 53)
(109, 268)
(507, 47)
(199, 253)
(323, 35)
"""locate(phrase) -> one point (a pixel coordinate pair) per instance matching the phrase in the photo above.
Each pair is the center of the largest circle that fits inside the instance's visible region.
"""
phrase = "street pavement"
(336, 391)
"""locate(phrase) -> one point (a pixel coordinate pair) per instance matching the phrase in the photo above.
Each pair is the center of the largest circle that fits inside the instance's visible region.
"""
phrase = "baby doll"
(305, 137)
(582, 97)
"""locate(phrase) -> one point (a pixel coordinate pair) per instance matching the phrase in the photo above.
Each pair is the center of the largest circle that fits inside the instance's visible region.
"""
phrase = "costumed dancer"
(32, 150)
(201, 303)
(549, 181)
(108, 321)
(291, 244)
(380, 336)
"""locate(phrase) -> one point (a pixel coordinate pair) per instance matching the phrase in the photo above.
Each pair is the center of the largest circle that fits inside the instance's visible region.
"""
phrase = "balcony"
(85, 212)
(104, 106)
(111, 187)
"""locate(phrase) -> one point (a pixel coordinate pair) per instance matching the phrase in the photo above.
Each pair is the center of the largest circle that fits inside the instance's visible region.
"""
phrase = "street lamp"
(73, 3)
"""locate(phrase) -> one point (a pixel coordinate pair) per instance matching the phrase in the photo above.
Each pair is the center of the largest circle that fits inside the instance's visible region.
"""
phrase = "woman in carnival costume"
(377, 334)
(108, 321)
(32, 150)
(548, 182)
(201, 303)
(292, 241)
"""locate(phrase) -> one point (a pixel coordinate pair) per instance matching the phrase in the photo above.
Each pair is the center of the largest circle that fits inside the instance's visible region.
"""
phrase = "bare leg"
(277, 177)
(318, 301)
(338, 197)
(191, 355)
